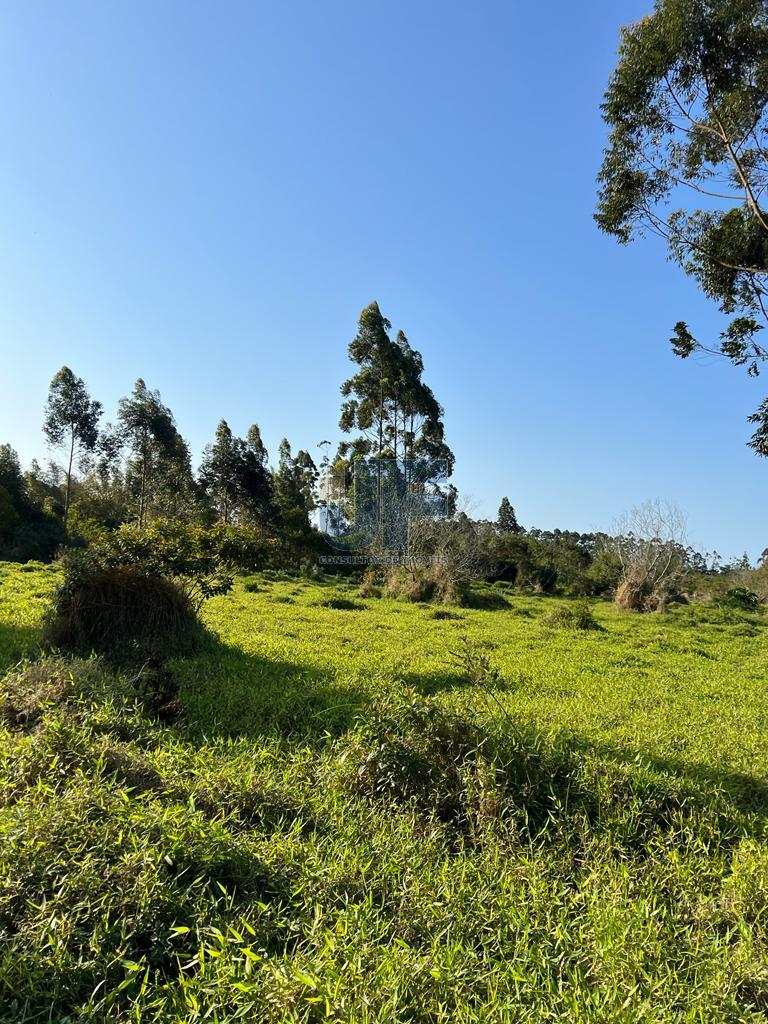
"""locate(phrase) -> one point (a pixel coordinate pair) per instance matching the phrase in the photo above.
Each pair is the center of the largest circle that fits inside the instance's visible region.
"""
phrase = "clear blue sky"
(206, 195)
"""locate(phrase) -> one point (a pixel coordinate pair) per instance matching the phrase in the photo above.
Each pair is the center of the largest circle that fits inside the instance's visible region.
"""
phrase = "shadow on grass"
(439, 681)
(231, 693)
(485, 601)
(745, 792)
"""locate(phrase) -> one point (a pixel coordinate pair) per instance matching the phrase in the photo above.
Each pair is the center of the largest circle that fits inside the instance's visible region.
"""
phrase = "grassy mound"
(577, 616)
(123, 612)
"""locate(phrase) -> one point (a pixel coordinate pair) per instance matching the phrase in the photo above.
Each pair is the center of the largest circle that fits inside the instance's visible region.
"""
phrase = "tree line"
(138, 468)
(137, 472)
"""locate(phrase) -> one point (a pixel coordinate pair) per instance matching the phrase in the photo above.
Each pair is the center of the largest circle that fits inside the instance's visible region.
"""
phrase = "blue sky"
(206, 195)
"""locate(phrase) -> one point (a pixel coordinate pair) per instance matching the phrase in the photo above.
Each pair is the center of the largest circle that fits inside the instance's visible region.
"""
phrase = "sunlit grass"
(598, 854)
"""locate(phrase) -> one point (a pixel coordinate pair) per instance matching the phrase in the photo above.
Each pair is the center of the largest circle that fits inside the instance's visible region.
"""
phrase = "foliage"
(294, 490)
(235, 476)
(557, 561)
(160, 472)
(199, 561)
(576, 616)
(137, 594)
(741, 597)
(506, 519)
(27, 529)
(395, 412)
(71, 421)
(686, 108)
(409, 749)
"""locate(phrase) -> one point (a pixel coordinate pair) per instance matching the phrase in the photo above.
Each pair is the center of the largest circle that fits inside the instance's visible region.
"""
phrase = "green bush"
(741, 598)
(137, 594)
(410, 750)
(577, 616)
(199, 561)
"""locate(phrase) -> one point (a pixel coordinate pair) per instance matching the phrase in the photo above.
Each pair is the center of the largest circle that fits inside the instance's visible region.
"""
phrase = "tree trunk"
(143, 483)
(381, 448)
(69, 480)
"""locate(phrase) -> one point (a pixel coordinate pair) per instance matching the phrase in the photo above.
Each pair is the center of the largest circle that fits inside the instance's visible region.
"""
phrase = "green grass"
(25, 591)
(356, 823)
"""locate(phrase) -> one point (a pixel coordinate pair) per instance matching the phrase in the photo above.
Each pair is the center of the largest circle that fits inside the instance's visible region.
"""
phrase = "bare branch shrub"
(448, 552)
(649, 541)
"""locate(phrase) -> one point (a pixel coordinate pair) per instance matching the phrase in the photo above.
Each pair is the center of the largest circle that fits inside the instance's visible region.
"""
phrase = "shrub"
(636, 593)
(124, 612)
(372, 583)
(424, 583)
(198, 561)
(137, 594)
(577, 616)
(83, 531)
(741, 598)
(410, 750)
(650, 546)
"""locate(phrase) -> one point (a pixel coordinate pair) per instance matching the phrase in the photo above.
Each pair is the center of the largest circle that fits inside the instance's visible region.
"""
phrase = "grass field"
(350, 824)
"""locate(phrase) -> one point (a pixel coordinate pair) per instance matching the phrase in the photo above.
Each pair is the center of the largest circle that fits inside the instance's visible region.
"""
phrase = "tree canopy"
(71, 421)
(687, 160)
(386, 401)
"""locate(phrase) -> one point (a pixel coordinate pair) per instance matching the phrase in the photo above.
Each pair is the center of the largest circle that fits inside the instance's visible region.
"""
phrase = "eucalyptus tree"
(416, 410)
(369, 393)
(255, 486)
(687, 160)
(71, 422)
(235, 476)
(218, 472)
(147, 426)
(294, 492)
(394, 414)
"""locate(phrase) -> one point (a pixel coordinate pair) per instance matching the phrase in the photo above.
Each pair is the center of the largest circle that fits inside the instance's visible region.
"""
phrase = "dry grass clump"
(123, 611)
(422, 583)
(636, 592)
